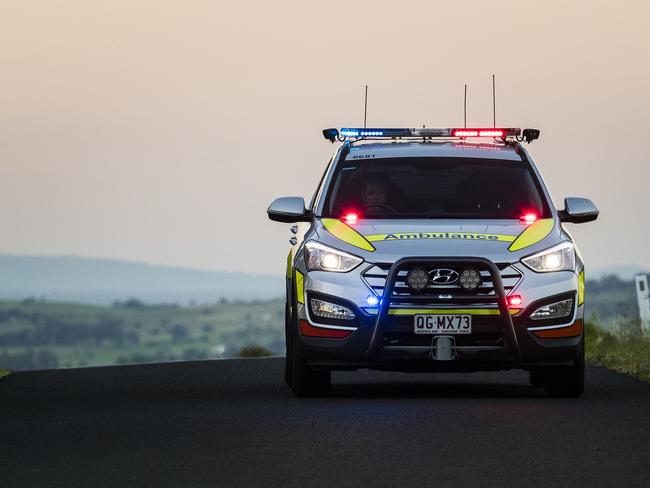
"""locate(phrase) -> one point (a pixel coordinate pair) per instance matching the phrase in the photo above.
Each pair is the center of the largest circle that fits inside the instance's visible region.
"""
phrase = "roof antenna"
(365, 108)
(465, 108)
(494, 103)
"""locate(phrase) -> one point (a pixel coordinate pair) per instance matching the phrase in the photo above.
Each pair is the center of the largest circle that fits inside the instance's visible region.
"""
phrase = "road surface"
(235, 423)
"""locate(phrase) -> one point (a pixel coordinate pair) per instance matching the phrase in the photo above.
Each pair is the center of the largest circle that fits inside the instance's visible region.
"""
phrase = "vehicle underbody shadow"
(437, 387)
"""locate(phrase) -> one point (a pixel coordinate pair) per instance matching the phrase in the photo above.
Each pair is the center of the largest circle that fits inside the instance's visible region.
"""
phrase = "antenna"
(465, 108)
(494, 102)
(365, 108)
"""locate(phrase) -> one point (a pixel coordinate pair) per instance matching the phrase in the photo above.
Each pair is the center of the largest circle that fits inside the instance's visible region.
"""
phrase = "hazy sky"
(160, 132)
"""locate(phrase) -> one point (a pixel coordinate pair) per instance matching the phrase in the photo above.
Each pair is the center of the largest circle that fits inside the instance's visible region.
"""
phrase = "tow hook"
(443, 348)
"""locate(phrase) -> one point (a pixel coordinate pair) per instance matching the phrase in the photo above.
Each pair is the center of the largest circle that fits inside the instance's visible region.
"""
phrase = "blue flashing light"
(348, 132)
(372, 301)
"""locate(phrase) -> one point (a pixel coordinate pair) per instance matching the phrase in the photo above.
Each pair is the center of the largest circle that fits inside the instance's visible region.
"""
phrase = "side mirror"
(578, 210)
(289, 210)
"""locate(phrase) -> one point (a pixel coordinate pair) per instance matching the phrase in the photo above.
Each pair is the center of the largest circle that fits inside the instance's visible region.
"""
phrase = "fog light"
(553, 310)
(470, 279)
(330, 310)
(417, 279)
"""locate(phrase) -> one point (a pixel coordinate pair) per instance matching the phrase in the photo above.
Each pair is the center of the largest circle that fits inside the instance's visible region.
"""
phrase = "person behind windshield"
(374, 196)
(374, 192)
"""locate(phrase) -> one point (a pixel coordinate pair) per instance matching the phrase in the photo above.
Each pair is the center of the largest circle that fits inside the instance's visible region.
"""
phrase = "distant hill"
(622, 271)
(611, 300)
(104, 281)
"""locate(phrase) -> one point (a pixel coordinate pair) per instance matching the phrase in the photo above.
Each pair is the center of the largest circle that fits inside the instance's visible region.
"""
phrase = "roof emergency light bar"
(356, 133)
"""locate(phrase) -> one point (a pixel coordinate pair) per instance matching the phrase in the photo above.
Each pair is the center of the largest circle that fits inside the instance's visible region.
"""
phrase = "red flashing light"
(478, 133)
(515, 301)
(528, 218)
(308, 330)
(351, 218)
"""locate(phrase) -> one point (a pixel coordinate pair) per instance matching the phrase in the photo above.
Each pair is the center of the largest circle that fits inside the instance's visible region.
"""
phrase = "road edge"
(5, 372)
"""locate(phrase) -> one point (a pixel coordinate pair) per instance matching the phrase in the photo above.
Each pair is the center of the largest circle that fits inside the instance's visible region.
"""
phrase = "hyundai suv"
(433, 250)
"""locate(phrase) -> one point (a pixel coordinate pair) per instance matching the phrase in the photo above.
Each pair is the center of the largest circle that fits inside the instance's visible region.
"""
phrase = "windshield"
(434, 188)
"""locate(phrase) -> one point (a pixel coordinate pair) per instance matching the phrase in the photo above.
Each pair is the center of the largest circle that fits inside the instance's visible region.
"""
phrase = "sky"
(160, 132)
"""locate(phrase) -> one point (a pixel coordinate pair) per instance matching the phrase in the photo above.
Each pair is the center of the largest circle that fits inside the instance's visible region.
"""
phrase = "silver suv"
(423, 251)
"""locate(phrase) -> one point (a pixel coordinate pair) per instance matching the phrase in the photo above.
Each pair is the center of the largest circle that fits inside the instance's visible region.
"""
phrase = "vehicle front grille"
(375, 277)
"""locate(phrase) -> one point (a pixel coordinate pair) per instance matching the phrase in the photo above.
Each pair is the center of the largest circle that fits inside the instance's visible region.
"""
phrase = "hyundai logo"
(443, 276)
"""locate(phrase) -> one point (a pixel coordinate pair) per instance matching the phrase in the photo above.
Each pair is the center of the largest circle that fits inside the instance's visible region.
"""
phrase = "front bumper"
(380, 340)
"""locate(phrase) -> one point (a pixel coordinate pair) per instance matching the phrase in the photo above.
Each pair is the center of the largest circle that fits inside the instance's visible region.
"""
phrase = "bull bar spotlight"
(417, 279)
(470, 279)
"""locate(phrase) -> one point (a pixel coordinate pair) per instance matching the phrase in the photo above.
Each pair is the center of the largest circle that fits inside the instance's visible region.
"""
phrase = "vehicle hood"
(491, 239)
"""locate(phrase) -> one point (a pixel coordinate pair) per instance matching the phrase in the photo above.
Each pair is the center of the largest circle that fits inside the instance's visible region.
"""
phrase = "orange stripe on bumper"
(573, 330)
(308, 330)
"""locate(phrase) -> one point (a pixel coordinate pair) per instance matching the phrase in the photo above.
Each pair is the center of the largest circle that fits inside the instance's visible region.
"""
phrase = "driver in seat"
(375, 197)
(374, 193)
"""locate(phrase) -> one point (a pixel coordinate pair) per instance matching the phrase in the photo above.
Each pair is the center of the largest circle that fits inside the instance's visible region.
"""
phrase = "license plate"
(442, 324)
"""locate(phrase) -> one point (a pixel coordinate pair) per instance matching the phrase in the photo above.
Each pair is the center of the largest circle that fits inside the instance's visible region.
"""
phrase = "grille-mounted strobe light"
(372, 301)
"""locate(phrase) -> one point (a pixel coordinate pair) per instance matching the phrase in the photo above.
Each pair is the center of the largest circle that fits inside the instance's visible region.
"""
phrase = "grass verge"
(626, 353)
(254, 352)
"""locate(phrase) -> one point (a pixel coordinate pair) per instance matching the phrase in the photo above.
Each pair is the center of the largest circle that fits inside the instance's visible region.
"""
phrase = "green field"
(36, 334)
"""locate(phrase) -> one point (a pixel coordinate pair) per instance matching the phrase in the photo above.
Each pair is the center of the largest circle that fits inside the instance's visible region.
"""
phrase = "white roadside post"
(643, 297)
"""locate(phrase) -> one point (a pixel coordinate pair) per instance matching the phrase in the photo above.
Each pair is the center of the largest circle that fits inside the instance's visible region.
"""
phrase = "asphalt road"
(235, 423)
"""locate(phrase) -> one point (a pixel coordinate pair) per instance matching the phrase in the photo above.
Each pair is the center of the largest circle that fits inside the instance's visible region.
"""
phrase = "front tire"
(288, 356)
(308, 382)
(567, 382)
(536, 379)
(305, 380)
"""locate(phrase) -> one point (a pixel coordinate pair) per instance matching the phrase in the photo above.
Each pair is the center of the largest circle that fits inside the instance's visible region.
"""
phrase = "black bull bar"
(499, 297)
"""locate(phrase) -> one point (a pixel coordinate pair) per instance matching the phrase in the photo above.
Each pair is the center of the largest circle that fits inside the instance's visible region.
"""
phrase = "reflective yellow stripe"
(459, 311)
(300, 287)
(463, 236)
(532, 234)
(347, 234)
(581, 287)
(289, 263)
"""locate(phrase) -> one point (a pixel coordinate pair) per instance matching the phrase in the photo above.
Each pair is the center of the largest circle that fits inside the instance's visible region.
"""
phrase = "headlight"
(319, 257)
(558, 258)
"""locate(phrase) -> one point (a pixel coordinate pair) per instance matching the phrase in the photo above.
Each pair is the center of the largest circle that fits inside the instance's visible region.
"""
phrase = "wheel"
(536, 378)
(305, 380)
(569, 381)
(288, 365)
